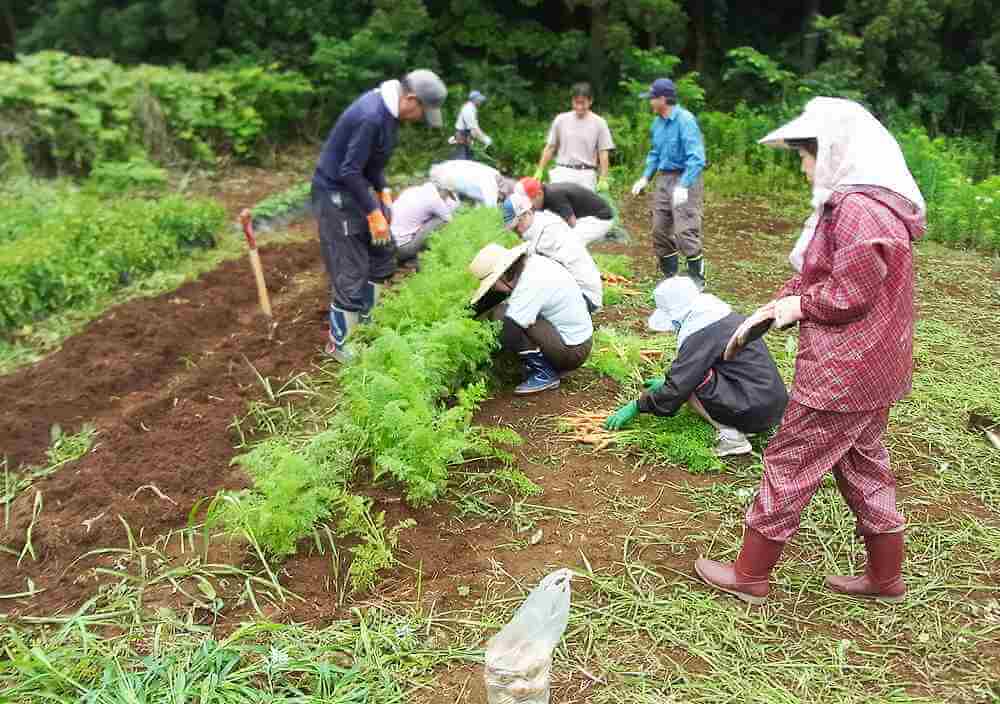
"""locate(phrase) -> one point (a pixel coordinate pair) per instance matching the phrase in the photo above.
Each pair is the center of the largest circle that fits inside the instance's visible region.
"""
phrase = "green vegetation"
(627, 357)
(279, 204)
(78, 112)
(406, 405)
(86, 246)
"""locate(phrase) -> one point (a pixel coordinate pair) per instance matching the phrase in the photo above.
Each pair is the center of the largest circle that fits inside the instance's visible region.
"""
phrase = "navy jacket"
(357, 150)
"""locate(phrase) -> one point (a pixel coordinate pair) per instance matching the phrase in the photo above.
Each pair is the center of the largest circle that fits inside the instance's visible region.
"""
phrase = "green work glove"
(623, 416)
(602, 185)
(653, 385)
(538, 175)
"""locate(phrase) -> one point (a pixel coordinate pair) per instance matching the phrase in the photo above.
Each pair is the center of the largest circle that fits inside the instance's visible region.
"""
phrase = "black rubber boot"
(696, 271)
(668, 265)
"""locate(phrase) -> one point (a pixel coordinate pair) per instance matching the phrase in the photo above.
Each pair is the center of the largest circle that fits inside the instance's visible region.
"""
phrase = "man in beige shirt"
(580, 140)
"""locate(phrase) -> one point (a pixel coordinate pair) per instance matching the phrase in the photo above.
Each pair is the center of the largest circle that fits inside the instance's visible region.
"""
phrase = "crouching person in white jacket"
(543, 310)
(548, 234)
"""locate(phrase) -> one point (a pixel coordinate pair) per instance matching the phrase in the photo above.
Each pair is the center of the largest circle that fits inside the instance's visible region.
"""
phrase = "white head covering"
(854, 149)
(680, 307)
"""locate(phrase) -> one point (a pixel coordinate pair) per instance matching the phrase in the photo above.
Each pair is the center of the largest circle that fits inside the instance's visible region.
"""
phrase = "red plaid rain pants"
(810, 443)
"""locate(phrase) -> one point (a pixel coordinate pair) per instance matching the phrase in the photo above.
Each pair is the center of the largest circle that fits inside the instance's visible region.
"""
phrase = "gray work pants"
(677, 228)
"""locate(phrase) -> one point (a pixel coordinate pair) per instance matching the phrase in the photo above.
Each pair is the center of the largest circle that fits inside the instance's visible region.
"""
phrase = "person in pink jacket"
(852, 297)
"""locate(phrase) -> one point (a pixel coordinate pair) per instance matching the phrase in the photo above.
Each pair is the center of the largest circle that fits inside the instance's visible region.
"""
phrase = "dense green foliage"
(407, 400)
(72, 112)
(934, 60)
(61, 248)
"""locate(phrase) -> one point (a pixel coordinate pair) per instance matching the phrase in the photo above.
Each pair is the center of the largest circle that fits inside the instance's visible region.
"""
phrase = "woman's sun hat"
(490, 264)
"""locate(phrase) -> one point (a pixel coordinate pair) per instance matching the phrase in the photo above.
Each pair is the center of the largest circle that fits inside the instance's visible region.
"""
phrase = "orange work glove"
(379, 227)
(386, 196)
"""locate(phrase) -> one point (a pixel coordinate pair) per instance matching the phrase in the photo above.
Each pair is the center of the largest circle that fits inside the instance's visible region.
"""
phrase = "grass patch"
(626, 357)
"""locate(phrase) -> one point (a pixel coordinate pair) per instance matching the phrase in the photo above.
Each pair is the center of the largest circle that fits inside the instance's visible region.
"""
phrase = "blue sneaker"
(539, 374)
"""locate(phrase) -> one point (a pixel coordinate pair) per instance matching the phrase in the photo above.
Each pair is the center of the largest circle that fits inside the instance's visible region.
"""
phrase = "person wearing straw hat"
(852, 297)
(677, 159)
(467, 127)
(549, 235)
(545, 318)
(745, 395)
(354, 235)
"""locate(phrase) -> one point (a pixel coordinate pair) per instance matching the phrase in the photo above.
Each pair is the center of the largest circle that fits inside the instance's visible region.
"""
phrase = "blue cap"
(477, 97)
(661, 88)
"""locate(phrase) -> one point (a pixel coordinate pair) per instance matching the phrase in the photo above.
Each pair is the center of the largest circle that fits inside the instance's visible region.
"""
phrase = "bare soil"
(162, 378)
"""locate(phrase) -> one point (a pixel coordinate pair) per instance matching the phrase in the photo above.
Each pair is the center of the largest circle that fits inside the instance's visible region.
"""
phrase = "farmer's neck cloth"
(391, 90)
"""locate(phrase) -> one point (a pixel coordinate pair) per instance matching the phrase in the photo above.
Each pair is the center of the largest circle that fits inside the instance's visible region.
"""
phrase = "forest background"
(178, 80)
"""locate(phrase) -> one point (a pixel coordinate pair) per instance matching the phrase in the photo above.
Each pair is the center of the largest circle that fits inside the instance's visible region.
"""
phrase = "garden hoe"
(265, 301)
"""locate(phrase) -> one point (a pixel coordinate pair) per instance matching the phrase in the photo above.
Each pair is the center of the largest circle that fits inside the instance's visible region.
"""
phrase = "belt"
(579, 167)
(671, 171)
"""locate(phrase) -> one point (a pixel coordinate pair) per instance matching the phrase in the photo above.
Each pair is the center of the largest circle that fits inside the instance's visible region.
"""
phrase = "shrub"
(77, 111)
(93, 247)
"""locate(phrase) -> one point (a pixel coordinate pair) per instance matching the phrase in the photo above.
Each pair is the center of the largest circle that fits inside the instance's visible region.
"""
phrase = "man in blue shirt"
(353, 223)
(677, 155)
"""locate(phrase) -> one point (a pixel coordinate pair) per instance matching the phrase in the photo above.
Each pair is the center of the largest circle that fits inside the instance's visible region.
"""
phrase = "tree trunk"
(810, 37)
(598, 59)
(8, 32)
(699, 26)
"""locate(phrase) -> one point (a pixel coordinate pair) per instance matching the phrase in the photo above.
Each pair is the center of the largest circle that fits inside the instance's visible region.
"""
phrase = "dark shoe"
(883, 577)
(668, 265)
(747, 578)
(539, 374)
(696, 271)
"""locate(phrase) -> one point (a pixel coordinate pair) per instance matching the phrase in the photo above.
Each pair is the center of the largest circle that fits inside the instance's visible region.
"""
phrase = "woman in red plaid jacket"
(852, 296)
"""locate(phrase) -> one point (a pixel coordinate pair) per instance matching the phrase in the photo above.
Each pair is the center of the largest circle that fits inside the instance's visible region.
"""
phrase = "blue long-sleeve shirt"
(676, 146)
(357, 150)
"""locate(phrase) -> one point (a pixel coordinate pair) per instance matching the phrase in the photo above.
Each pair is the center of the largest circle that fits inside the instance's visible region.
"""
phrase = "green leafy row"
(92, 247)
(407, 400)
(283, 201)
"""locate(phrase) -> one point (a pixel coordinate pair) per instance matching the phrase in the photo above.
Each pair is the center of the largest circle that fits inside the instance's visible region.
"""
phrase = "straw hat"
(490, 264)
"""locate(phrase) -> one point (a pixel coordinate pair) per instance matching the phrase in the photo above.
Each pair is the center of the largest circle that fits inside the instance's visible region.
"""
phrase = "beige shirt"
(579, 140)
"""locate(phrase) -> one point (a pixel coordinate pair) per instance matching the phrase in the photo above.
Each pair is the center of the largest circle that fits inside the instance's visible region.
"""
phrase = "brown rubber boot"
(748, 577)
(883, 577)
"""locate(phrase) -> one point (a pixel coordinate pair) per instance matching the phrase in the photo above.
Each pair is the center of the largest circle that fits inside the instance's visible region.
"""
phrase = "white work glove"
(452, 140)
(487, 141)
(787, 311)
(639, 185)
(680, 196)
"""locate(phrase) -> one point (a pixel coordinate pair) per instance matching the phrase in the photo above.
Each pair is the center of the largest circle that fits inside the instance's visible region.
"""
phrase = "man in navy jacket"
(354, 221)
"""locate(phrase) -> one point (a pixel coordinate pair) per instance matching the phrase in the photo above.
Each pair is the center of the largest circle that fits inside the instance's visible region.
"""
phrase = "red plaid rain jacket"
(857, 285)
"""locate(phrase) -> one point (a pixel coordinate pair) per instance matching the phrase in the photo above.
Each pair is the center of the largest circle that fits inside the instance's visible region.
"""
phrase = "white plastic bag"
(471, 179)
(519, 657)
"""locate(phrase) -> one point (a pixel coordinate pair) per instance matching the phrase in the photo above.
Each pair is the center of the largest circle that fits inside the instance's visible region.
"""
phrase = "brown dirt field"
(163, 378)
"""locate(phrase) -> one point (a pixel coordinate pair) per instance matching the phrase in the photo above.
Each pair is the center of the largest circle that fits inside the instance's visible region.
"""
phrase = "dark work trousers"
(350, 258)
(463, 145)
(543, 335)
(677, 228)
